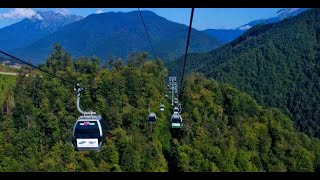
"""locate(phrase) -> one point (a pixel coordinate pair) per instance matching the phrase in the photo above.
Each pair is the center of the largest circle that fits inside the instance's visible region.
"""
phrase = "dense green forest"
(224, 129)
(277, 64)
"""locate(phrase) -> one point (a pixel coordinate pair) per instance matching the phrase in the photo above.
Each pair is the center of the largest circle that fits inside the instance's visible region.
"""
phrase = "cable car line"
(145, 28)
(152, 116)
(176, 118)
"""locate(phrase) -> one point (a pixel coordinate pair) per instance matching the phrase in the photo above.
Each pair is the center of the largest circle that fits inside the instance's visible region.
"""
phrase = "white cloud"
(288, 10)
(293, 9)
(246, 27)
(99, 11)
(63, 11)
(20, 13)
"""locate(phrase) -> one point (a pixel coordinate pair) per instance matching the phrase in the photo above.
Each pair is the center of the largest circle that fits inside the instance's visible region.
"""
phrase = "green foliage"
(277, 64)
(236, 134)
(7, 86)
(224, 129)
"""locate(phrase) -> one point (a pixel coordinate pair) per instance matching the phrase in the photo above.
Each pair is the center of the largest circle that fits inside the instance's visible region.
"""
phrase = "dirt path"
(9, 73)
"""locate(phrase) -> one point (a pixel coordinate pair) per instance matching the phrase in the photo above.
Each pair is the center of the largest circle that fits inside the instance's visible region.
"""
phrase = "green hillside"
(277, 64)
(224, 129)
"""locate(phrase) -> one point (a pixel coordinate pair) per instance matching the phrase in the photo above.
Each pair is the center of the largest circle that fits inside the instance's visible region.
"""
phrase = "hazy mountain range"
(114, 34)
(227, 35)
(119, 34)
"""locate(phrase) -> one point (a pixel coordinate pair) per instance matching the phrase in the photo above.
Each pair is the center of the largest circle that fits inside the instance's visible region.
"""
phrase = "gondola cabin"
(175, 110)
(176, 121)
(152, 118)
(162, 107)
(89, 133)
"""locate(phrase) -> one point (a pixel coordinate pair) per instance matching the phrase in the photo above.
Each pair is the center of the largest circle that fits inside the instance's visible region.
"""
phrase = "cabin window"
(87, 130)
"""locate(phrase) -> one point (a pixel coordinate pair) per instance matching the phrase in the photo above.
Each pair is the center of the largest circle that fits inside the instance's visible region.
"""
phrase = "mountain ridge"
(29, 30)
(119, 34)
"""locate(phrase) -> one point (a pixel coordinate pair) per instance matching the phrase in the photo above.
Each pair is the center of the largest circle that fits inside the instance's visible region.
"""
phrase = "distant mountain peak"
(57, 15)
(144, 12)
(49, 13)
(35, 27)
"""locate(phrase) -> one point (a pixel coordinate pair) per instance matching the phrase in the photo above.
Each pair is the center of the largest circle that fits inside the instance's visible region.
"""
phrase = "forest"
(225, 130)
(277, 64)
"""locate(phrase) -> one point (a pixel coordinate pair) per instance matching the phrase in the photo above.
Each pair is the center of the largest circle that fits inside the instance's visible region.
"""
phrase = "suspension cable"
(29, 64)
(145, 28)
(186, 53)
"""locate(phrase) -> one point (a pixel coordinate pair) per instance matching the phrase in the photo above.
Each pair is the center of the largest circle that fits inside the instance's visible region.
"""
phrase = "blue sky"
(204, 18)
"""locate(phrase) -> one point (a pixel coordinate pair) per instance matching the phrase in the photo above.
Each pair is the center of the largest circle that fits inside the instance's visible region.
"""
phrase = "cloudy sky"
(204, 18)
